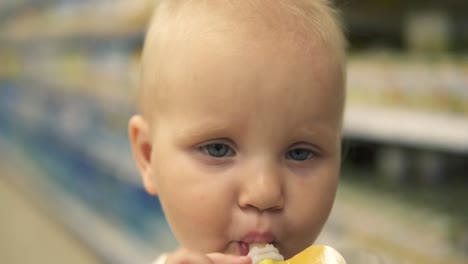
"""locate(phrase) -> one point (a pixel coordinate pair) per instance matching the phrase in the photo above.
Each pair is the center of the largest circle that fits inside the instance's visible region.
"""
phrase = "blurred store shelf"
(375, 228)
(30, 235)
(419, 129)
(95, 225)
(60, 20)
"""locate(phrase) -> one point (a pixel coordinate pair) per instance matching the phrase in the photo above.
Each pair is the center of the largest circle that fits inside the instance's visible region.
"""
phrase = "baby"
(239, 130)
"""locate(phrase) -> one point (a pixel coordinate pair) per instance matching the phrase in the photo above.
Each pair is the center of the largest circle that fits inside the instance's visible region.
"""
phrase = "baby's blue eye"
(217, 150)
(299, 154)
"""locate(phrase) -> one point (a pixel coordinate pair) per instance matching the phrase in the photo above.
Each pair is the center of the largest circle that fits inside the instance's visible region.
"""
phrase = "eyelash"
(207, 149)
(310, 154)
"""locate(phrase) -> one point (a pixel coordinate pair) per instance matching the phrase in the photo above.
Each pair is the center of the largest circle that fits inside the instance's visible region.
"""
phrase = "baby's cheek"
(202, 198)
(200, 208)
(206, 222)
(309, 212)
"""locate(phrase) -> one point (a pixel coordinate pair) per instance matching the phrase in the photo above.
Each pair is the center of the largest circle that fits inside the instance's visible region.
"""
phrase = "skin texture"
(269, 103)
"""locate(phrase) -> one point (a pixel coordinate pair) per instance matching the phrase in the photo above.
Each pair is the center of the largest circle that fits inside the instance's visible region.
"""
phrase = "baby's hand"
(185, 256)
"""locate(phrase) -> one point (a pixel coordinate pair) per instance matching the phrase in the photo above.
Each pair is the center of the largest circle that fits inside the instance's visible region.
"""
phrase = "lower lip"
(243, 248)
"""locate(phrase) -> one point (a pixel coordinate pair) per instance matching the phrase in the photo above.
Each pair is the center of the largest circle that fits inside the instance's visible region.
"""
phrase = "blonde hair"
(316, 21)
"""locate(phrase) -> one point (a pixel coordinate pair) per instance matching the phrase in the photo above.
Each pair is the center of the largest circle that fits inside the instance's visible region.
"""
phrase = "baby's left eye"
(299, 154)
(217, 150)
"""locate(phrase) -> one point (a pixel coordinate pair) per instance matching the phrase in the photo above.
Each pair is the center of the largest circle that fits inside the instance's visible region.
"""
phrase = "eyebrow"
(202, 129)
(325, 133)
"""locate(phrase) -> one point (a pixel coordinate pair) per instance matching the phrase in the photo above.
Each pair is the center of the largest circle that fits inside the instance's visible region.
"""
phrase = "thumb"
(220, 258)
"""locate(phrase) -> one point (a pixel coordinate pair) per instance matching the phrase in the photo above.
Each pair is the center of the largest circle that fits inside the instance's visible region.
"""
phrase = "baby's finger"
(219, 258)
(184, 256)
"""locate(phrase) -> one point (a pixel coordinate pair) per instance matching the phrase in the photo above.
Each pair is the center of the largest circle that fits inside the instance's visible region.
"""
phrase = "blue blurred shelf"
(12, 7)
(87, 176)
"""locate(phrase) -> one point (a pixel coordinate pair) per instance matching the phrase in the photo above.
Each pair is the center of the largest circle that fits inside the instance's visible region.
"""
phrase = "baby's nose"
(263, 189)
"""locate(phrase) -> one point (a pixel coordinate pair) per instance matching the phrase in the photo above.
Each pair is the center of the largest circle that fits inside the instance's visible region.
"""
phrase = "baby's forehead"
(180, 25)
(182, 19)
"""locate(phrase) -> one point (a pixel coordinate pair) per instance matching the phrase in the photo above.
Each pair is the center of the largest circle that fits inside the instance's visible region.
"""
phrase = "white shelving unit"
(413, 107)
(425, 130)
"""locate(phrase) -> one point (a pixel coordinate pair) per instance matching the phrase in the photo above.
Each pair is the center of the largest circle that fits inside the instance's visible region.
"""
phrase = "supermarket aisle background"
(30, 234)
(68, 183)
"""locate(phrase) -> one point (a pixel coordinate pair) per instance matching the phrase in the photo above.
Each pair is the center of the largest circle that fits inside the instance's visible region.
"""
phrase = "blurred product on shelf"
(59, 20)
(410, 82)
(428, 31)
(54, 45)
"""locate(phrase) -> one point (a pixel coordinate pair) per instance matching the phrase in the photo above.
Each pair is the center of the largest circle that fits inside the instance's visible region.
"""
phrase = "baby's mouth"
(243, 248)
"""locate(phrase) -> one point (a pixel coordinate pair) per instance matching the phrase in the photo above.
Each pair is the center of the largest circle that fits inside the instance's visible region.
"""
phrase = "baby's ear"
(140, 140)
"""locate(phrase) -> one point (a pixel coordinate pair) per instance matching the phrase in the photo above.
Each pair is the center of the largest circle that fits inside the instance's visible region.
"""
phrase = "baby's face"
(246, 144)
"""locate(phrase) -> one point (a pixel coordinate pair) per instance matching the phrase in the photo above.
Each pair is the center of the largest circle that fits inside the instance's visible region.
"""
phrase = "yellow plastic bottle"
(316, 254)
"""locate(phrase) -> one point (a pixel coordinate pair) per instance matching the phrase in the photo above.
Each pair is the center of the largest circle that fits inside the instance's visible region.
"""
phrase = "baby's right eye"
(217, 150)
